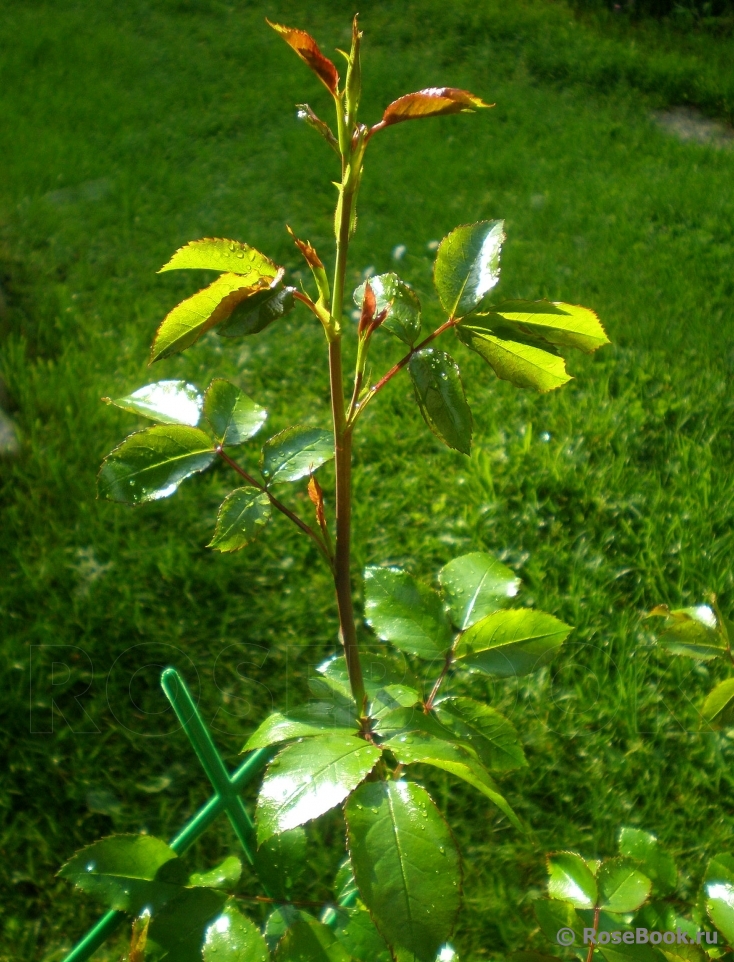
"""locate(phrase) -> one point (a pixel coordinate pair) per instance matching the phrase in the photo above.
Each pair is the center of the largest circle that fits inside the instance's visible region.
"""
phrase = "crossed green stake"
(226, 799)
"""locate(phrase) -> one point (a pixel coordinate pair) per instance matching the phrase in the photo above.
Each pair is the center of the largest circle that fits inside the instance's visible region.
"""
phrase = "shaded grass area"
(131, 128)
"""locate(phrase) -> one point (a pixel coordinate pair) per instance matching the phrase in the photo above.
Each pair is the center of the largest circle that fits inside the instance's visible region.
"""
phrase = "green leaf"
(311, 720)
(127, 872)
(412, 748)
(531, 957)
(310, 941)
(345, 888)
(356, 931)
(656, 864)
(256, 313)
(278, 923)
(718, 708)
(468, 265)
(234, 938)
(400, 301)
(720, 907)
(694, 632)
(222, 876)
(571, 880)
(630, 952)
(309, 778)
(179, 929)
(509, 643)
(391, 697)
(219, 254)
(192, 318)
(168, 402)
(565, 325)
(405, 863)
(554, 915)
(475, 585)
(406, 613)
(151, 464)
(622, 887)
(439, 394)
(281, 861)
(490, 734)
(233, 416)
(295, 453)
(524, 360)
(720, 869)
(242, 515)
(381, 670)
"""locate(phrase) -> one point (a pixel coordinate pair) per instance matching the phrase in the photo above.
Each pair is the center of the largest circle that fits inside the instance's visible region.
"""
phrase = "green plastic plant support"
(226, 799)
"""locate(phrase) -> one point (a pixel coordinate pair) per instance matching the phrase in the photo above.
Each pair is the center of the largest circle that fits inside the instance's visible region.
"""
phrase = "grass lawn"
(127, 129)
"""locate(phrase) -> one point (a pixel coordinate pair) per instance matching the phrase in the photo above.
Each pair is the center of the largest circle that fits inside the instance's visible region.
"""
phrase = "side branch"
(298, 522)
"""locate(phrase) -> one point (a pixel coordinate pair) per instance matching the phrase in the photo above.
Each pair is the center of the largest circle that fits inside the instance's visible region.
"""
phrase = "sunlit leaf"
(718, 708)
(320, 718)
(405, 863)
(223, 876)
(720, 907)
(391, 697)
(381, 670)
(406, 613)
(308, 50)
(192, 318)
(514, 642)
(233, 416)
(356, 931)
(622, 886)
(468, 265)
(180, 928)
(127, 872)
(139, 938)
(278, 923)
(490, 734)
(151, 464)
(310, 941)
(694, 632)
(523, 359)
(309, 778)
(401, 302)
(647, 852)
(432, 102)
(281, 861)
(219, 254)
(305, 113)
(440, 396)
(168, 402)
(565, 325)
(256, 313)
(234, 938)
(242, 515)
(475, 585)
(295, 453)
(553, 915)
(571, 880)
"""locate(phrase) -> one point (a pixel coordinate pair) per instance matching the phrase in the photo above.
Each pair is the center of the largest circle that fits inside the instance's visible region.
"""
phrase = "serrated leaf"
(281, 861)
(411, 748)
(720, 907)
(356, 931)
(565, 325)
(571, 880)
(468, 265)
(391, 697)
(720, 868)
(295, 453)
(656, 864)
(694, 632)
(309, 778)
(256, 313)
(490, 734)
(622, 886)
(220, 254)
(680, 952)
(553, 915)
(405, 863)
(127, 872)
(234, 938)
(380, 670)
(241, 517)
(406, 613)
(179, 929)
(309, 721)
(510, 643)
(167, 402)
(310, 941)
(234, 417)
(431, 102)
(225, 875)
(308, 50)
(400, 301)
(475, 585)
(525, 361)
(151, 464)
(718, 708)
(439, 394)
(278, 923)
(192, 318)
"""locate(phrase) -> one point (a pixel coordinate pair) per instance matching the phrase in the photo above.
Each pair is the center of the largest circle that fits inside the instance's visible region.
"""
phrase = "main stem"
(343, 457)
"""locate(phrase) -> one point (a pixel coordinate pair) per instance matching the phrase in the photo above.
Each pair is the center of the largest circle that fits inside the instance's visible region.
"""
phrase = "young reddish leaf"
(431, 102)
(307, 249)
(369, 306)
(316, 495)
(308, 50)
